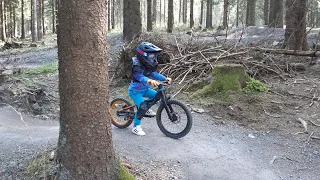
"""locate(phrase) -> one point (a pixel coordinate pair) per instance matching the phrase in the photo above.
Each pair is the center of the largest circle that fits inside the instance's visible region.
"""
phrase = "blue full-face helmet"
(147, 54)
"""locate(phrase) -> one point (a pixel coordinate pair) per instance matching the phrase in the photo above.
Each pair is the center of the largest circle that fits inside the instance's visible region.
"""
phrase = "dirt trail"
(210, 151)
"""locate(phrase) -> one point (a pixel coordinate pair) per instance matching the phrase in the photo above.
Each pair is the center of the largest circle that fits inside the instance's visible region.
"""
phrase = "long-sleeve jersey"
(140, 76)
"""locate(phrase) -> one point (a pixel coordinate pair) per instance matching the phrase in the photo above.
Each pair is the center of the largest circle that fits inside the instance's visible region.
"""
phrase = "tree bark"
(237, 14)
(112, 15)
(201, 13)
(132, 26)
(266, 12)
(191, 14)
(209, 15)
(184, 12)
(170, 16)
(160, 12)
(276, 13)
(23, 33)
(149, 15)
(295, 34)
(225, 13)
(85, 148)
(251, 13)
(164, 11)
(109, 16)
(42, 17)
(10, 23)
(53, 16)
(180, 10)
(154, 11)
(39, 18)
(34, 21)
(3, 21)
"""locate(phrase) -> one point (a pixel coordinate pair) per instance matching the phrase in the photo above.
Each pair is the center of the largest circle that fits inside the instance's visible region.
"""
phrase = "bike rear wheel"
(181, 123)
(121, 112)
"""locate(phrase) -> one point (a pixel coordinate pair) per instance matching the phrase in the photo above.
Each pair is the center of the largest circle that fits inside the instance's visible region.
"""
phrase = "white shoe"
(138, 131)
(150, 112)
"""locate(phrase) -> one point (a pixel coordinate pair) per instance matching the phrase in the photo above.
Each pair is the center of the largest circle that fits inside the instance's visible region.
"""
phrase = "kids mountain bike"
(173, 117)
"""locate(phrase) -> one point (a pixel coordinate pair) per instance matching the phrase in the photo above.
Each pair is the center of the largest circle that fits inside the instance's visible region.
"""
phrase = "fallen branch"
(315, 124)
(275, 116)
(304, 124)
(289, 52)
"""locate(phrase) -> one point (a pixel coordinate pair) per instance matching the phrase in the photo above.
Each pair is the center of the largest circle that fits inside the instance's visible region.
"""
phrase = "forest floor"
(249, 136)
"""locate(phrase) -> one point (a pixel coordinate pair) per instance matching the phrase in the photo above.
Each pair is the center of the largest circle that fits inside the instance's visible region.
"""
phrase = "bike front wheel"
(181, 121)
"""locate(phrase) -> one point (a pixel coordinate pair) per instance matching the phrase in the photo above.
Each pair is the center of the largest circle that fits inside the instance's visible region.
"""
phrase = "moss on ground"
(230, 78)
(227, 77)
(124, 174)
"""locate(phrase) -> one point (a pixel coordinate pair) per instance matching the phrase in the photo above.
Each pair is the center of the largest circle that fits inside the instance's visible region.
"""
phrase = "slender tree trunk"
(184, 12)
(251, 12)
(132, 26)
(225, 13)
(3, 22)
(109, 18)
(266, 12)
(112, 15)
(43, 20)
(295, 34)
(160, 11)
(10, 21)
(209, 15)
(14, 22)
(39, 18)
(201, 13)
(170, 16)
(53, 16)
(85, 148)
(237, 14)
(34, 21)
(164, 11)
(149, 15)
(23, 34)
(154, 11)
(191, 14)
(180, 10)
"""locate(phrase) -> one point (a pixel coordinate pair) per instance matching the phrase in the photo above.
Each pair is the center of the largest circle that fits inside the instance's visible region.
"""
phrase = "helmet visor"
(152, 56)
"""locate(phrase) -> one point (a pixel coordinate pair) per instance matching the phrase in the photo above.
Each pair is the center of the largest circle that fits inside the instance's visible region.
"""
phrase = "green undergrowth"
(254, 85)
(124, 174)
(50, 68)
(39, 167)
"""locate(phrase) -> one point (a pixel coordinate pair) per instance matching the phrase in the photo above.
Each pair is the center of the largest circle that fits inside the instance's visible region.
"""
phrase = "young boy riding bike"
(144, 74)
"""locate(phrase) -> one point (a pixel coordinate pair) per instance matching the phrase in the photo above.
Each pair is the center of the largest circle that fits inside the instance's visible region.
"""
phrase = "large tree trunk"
(34, 20)
(164, 11)
(251, 13)
(85, 149)
(266, 12)
(276, 13)
(42, 17)
(39, 18)
(149, 15)
(53, 16)
(132, 26)
(10, 23)
(170, 16)
(225, 13)
(23, 33)
(209, 15)
(191, 14)
(295, 35)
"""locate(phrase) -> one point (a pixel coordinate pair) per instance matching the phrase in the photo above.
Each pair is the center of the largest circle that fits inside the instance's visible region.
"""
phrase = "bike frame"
(159, 96)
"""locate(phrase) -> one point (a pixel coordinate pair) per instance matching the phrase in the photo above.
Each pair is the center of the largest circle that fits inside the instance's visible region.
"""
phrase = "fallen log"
(289, 52)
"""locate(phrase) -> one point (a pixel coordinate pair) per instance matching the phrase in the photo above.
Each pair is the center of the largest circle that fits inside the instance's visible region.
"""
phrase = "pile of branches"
(190, 59)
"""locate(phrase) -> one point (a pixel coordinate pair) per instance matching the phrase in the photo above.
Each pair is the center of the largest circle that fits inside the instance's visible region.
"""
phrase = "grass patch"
(51, 68)
(39, 167)
(124, 174)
